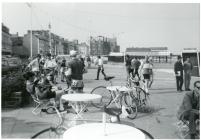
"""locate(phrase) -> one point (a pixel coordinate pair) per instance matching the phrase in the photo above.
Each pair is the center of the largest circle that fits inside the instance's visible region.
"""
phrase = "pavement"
(159, 121)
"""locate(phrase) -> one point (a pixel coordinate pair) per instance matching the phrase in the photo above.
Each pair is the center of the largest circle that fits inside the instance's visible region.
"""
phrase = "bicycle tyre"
(44, 133)
(106, 97)
(141, 96)
(131, 106)
(146, 133)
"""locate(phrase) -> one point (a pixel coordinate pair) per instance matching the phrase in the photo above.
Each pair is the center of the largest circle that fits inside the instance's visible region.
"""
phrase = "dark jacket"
(178, 66)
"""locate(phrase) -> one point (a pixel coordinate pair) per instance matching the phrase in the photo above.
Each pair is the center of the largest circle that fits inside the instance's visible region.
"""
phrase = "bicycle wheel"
(106, 96)
(130, 106)
(46, 133)
(141, 96)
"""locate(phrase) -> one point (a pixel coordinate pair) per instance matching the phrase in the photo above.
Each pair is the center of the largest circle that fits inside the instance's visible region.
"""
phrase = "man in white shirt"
(100, 68)
(50, 66)
(34, 64)
(50, 63)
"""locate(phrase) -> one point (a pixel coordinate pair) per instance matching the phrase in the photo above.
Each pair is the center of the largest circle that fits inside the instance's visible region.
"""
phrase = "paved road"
(160, 121)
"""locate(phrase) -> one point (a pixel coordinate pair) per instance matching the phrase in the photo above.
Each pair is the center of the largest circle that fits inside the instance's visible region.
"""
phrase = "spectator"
(135, 64)
(100, 68)
(42, 90)
(89, 61)
(187, 73)
(34, 65)
(50, 67)
(63, 66)
(128, 66)
(178, 69)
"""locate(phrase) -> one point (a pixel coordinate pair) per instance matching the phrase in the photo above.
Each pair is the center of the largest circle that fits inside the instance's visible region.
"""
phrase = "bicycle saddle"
(107, 78)
(112, 111)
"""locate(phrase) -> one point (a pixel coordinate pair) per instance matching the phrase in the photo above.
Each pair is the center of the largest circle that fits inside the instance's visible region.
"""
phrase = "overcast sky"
(175, 26)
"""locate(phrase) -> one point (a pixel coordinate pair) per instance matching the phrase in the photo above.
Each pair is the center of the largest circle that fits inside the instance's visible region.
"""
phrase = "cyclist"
(75, 71)
(146, 70)
(151, 72)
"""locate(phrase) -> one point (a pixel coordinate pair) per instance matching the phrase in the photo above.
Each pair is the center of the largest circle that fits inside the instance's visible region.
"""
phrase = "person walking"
(100, 68)
(178, 69)
(188, 66)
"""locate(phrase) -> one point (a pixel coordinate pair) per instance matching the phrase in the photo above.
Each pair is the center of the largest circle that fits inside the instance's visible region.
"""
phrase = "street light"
(30, 6)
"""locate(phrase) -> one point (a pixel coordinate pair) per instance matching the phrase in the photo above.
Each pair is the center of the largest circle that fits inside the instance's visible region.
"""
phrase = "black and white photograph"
(100, 70)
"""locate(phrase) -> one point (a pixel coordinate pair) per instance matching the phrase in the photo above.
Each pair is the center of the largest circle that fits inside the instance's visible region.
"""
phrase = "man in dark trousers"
(187, 73)
(178, 69)
(100, 68)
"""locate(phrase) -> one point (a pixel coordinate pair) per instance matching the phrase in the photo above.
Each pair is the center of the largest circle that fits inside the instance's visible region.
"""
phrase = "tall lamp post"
(49, 26)
(30, 6)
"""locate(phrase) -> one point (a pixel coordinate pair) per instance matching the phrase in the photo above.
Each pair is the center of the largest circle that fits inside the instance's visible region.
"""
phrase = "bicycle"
(122, 99)
(139, 94)
(59, 129)
(189, 118)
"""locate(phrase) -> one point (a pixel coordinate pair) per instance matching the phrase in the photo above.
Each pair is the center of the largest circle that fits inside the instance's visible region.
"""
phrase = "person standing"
(89, 61)
(146, 70)
(75, 71)
(178, 69)
(50, 66)
(62, 69)
(135, 64)
(151, 71)
(187, 73)
(34, 65)
(128, 65)
(100, 68)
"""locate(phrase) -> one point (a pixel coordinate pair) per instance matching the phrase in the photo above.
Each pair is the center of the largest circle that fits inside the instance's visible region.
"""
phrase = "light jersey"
(34, 65)
(147, 68)
(100, 62)
(50, 64)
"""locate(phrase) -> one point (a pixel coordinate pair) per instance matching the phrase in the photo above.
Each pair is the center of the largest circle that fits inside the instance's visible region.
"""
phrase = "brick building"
(6, 41)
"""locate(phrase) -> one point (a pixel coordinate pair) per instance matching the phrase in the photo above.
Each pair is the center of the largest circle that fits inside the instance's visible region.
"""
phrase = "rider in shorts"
(146, 70)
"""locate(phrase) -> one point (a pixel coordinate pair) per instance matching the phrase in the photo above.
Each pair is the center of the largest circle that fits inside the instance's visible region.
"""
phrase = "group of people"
(140, 70)
(183, 72)
(41, 74)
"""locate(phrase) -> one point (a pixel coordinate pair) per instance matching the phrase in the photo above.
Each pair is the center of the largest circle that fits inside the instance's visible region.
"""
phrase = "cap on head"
(73, 53)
